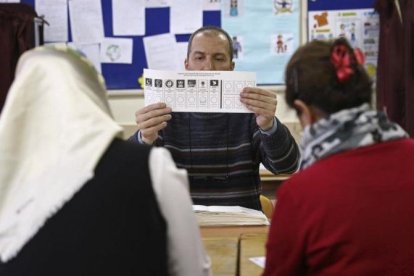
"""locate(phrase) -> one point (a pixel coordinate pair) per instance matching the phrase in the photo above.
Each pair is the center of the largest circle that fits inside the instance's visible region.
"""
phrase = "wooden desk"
(223, 252)
(251, 245)
(222, 244)
(270, 182)
(232, 231)
(266, 175)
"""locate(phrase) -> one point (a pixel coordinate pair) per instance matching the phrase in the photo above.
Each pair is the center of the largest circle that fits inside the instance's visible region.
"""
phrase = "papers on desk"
(260, 261)
(228, 215)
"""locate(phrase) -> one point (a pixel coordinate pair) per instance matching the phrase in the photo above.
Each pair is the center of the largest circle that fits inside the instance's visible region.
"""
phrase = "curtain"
(16, 36)
(395, 73)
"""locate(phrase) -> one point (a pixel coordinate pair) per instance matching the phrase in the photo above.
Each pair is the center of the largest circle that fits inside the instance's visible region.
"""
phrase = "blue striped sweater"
(222, 153)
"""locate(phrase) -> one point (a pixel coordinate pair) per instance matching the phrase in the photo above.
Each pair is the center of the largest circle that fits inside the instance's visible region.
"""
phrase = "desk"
(232, 231)
(270, 182)
(251, 245)
(223, 244)
(266, 175)
(223, 252)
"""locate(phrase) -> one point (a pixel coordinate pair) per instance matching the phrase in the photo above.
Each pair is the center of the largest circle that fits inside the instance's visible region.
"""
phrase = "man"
(221, 151)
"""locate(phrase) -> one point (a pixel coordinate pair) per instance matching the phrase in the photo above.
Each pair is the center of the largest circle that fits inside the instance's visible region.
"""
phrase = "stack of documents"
(228, 215)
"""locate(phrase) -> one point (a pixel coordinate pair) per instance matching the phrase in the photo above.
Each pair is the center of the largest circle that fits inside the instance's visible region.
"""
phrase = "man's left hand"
(262, 102)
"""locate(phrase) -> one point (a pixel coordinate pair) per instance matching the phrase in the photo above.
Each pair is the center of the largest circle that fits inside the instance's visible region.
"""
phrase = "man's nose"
(209, 65)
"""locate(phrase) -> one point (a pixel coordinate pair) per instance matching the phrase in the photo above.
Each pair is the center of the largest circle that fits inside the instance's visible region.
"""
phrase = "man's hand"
(152, 119)
(262, 102)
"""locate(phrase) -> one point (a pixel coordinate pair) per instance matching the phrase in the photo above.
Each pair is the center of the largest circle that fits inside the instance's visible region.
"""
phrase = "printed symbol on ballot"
(169, 100)
(214, 83)
(148, 82)
(203, 84)
(180, 100)
(158, 83)
(180, 83)
(169, 83)
(239, 86)
(191, 83)
(228, 85)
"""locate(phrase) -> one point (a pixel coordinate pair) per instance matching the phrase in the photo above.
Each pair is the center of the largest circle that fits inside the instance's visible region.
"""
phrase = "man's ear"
(186, 64)
(305, 113)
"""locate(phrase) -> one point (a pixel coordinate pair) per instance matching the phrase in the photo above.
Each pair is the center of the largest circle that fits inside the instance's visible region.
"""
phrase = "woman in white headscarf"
(74, 198)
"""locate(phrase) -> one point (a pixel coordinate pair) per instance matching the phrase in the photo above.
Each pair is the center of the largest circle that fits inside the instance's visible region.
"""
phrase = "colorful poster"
(360, 27)
(265, 34)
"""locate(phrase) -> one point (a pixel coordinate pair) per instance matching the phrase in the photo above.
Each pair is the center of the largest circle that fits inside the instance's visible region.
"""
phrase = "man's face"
(209, 52)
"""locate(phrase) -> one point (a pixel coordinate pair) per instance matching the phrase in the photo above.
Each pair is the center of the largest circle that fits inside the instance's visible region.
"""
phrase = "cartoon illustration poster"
(265, 34)
(360, 27)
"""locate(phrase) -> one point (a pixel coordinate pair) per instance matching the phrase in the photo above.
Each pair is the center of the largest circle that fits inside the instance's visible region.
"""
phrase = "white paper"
(211, 5)
(55, 13)
(160, 51)
(91, 51)
(185, 16)
(86, 21)
(228, 215)
(198, 91)
(180, 55)
(9, 1)
(260, 261)
(157, 3)
(128, 17)
(226, 209)
(116, 50)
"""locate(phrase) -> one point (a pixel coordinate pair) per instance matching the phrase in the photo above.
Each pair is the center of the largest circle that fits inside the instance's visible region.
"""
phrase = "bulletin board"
(265, 32)
(125, 76)
(326, 17)
(354, 20)
(320, 5)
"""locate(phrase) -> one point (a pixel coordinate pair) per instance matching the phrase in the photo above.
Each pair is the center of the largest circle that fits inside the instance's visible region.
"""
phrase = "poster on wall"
(265, 34)
(360, 27)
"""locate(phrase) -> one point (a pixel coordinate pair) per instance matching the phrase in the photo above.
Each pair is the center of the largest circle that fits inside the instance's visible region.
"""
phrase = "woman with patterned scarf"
(350, 209)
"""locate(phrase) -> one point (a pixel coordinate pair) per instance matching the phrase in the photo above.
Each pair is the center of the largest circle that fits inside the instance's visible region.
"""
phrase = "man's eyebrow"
(198, 53)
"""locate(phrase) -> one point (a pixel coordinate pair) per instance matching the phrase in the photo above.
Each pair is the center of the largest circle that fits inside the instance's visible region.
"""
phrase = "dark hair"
(311, 76)
(211, 30)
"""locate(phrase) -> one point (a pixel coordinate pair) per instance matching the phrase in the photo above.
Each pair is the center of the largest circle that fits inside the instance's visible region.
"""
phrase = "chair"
(267, 206)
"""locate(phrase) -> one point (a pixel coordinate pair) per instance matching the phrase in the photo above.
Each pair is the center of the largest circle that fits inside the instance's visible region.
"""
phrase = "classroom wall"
(124, 103)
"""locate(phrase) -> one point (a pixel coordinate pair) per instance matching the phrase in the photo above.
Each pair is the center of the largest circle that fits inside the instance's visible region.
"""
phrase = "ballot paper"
(228, 215)
(198, 91)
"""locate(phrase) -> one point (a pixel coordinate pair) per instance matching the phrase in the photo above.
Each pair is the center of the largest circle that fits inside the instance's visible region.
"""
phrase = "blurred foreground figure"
(74, 198)
(350, 209)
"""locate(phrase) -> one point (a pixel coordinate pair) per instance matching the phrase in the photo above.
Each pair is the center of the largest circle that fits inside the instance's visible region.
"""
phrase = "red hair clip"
(341, 59)
(359, 56)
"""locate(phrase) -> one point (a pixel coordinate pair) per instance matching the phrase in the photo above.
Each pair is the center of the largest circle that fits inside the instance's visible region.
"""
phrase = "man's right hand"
(152, 119)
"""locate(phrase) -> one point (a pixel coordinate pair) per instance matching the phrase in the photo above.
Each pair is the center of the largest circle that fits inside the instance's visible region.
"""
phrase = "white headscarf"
(54, 128)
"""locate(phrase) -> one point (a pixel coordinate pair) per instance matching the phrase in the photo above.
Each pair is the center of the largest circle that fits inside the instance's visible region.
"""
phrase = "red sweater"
(349, 214)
